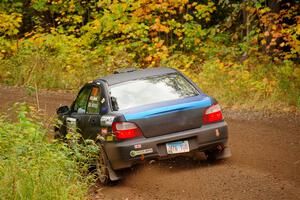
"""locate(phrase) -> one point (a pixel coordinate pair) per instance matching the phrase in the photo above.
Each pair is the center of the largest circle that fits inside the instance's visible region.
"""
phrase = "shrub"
(33, 168)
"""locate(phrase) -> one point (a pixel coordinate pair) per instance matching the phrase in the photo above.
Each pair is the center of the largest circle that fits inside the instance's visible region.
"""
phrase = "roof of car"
(131, 74)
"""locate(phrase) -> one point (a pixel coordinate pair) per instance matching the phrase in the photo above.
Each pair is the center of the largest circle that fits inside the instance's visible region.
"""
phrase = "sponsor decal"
(104, 131)
(71, 124)
(93, 98)
(109, 138)
(107, 120)
(93, 105)
(137, 146)
(217, 133)
(134, 153)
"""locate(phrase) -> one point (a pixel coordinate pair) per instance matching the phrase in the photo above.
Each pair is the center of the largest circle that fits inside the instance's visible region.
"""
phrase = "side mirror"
(62, 110)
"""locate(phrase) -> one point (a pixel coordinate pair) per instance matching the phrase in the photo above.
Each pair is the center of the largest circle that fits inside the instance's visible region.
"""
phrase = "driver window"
(81, 101)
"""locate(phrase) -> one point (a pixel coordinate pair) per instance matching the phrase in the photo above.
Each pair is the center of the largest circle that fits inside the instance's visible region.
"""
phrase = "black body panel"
(199, 139)
(88, 124)
(171, 122)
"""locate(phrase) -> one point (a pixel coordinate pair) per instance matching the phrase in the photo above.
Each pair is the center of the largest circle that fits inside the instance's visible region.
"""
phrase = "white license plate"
(178, 147)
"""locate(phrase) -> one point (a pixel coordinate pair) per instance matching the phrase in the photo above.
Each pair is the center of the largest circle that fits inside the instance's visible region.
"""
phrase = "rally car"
(145, 114)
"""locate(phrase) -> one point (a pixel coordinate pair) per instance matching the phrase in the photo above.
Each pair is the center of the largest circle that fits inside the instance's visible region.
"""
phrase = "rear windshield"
(151, 90)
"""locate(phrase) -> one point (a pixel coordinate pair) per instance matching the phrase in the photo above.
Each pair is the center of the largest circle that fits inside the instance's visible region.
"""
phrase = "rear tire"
(219, 152)
(102, 166)
(212, 154)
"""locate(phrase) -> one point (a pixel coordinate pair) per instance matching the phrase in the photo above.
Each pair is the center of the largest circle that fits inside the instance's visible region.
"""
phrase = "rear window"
(151, 90)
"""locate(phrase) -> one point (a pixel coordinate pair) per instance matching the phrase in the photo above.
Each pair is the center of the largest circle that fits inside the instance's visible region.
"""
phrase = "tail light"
(212, 114)
(125, 130)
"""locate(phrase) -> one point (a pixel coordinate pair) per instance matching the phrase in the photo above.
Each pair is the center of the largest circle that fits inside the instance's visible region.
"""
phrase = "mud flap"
(226, 153)
(113, 176)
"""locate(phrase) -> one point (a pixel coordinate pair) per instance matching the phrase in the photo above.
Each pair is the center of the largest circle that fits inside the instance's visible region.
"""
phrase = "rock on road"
(265, 162)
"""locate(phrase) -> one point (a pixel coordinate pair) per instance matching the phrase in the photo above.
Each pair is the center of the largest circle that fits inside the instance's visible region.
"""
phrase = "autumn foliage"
(231, 48)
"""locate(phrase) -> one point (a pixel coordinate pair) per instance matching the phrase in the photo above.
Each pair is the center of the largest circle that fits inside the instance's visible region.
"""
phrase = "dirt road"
(265, 163)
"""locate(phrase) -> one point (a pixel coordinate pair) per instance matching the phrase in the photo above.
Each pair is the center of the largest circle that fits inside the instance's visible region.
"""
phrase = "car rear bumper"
(126, 153)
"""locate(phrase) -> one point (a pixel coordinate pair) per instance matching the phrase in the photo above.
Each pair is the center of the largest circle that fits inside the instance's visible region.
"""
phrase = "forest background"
(243, 52)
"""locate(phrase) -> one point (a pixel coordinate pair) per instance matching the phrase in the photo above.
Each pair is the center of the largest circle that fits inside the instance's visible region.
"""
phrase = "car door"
(86, 111)
(95, 104)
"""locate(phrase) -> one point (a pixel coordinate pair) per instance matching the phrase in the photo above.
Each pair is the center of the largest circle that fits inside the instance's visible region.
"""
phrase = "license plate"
(178, 147)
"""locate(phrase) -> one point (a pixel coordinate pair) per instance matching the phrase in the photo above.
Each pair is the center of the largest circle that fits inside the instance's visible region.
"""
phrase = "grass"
(33, 168)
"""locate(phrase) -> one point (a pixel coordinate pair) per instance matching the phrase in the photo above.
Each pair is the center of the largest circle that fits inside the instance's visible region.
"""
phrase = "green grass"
(33, 168)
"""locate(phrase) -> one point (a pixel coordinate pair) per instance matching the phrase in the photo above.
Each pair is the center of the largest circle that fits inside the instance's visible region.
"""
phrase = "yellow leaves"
(282, 44)
(157, 26)
(205, 11)
(28, 34)
(159, 44)
(188, 17)
(276, 34)
(53, 30)
(232, 81)
(264, 10)
(71, 6)
(184, 1)
(197, 41)
(263, 42)
(164, 28)
(148, 58)
(181, 9)
(124, 6)
(194, 4)
(250, 9)
(77, 19)
(274, 27)
(296, 73)
(265, 80)
(96, 24)
(220, 65)
(157, 20)
(70, 69)
(9, 23)
(298, 26)
(267, 34)
(282, 31)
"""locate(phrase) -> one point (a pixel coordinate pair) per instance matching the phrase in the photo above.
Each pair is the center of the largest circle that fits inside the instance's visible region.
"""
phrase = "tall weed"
(33, 168)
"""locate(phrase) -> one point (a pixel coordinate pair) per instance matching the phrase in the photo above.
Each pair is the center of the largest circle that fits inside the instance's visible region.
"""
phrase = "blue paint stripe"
(164, 104)
(169, 109)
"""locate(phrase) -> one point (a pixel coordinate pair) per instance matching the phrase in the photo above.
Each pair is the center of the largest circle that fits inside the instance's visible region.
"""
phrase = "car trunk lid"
(169, 117)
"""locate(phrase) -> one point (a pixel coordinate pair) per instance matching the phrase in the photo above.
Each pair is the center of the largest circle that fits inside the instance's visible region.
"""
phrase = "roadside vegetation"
(242, 52)
(32, 167)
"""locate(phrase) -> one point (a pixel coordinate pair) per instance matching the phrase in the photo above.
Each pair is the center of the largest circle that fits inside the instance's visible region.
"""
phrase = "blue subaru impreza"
(145, 114)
